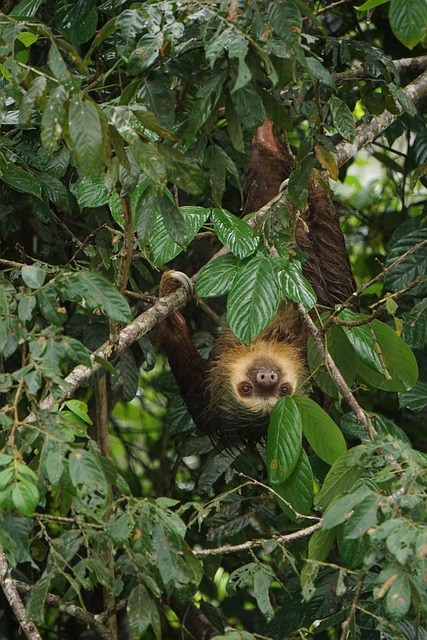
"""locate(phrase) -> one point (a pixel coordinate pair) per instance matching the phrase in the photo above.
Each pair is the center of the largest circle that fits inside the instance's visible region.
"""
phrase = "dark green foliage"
(126, 128)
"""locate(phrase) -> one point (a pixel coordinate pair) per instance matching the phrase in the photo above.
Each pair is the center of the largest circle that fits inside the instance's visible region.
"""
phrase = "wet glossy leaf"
(234, 233)
(284, 440)
(253, 299)
(216, 278)
(87, 141)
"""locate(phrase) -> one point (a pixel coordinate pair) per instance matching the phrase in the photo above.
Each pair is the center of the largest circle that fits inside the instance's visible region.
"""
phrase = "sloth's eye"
(284, 389)
(245, 389)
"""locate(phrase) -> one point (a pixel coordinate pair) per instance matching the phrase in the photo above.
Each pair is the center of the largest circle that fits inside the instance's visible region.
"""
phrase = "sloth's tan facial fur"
(257, 375)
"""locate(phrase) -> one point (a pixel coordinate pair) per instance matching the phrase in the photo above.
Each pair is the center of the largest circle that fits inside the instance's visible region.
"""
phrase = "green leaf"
(37, 599)
(216, 278)
(342, 354)
(26, 307)
(320, 430)
(139, 610)
(36, 90)
(234, 233)
(79, 408)
(412, 267)
(262, 582)
(53, 119)
(19, 179)
(415, 399)
(249, 107)
(297, 488)
(150, 160)
(25, 495)
(371, 4)
(27, 8)
(33, 276)
(167, 547)
(408, 21)
(86, 137)
(284, 440)
(253, 299)
(47, 299)
(238, 48)
(162, 247)
(294, 286)
(183, 170)
(319, 72)
(285, 19)
(146, 53)
(340, 479)
(364, 517)
(320, 544)
(399, 360)
(76, 19)
(342, 118)
(97, 292)
(338, 511)
(173, 220)
(91, 192)
(362, 340)
(88, 477)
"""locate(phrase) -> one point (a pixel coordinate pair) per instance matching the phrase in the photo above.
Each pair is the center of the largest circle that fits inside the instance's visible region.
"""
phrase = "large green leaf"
(253, 299)
(146, 52)
(362, 340)
(399, 360)
(297, 489)
(216, 278)
(53, 119)
(285, 19)
(162, 246)
(408, 21)
(284, 440)
(322, 433)
(340, 479)
(97, 293)
(19, 179)
(86, 137)
(234, 233)
(76, 19)
(294, 285)
(139, 607)
(342, 354)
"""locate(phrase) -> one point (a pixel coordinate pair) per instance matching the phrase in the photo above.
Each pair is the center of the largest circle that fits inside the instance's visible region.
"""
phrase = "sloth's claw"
(171, 280)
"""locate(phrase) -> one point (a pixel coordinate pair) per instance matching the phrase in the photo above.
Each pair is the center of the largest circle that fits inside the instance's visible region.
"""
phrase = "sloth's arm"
(188, 367)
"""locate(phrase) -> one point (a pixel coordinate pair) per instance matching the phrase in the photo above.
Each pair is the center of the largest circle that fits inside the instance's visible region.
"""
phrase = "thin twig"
(252, 544)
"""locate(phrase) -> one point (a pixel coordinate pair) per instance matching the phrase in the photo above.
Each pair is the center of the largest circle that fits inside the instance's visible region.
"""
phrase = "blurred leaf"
(146, 53)
(87, 140)
(76, 19)
(139, 606)
(284, 440)
(97, 293)
(33, 276)
(285, 18)
(408, 20)
(342, 118)
(415, 399)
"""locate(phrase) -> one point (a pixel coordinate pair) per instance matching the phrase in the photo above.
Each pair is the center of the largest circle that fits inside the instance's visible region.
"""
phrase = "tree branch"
(12, 596)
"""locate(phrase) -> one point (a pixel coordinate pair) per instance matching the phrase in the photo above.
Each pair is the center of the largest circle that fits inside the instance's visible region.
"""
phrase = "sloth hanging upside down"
(231, 397)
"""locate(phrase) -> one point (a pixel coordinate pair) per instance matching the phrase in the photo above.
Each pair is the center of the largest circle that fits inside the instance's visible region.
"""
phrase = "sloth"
(231, 397)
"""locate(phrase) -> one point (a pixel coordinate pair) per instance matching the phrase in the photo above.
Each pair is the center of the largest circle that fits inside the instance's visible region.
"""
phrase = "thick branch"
(366, 133)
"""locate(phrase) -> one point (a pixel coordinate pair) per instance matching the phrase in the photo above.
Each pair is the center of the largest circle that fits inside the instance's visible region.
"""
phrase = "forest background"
(125, 130)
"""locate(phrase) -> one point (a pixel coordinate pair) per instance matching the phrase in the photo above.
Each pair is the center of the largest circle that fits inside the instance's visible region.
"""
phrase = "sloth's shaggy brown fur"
(231, 397)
